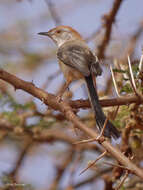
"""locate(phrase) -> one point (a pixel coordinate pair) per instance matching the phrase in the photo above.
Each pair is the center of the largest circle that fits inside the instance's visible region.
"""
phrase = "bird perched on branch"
(77, 61)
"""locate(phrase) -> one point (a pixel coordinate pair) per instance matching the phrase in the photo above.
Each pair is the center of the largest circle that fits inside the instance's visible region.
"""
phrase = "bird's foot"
(100, 138)
(59, 97)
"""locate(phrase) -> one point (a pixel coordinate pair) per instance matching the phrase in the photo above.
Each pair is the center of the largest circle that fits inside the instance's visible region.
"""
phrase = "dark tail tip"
(111, 131)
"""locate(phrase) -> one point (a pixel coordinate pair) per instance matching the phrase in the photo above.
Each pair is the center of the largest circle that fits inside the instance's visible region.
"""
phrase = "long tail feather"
(110, 130)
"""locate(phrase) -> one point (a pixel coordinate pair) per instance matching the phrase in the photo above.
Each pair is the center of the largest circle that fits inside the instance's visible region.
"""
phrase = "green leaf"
(122, 114)
(126, 88)
(120, 71)
(12, 117)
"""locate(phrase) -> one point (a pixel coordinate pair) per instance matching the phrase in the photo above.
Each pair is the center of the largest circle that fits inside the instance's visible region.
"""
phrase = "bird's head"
(62, 34)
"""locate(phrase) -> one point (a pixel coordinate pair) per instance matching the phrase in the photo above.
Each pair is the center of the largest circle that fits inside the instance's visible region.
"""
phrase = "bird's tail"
(110, 130)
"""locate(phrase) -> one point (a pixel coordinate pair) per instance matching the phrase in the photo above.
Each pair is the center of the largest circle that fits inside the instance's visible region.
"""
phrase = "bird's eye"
(58, 31)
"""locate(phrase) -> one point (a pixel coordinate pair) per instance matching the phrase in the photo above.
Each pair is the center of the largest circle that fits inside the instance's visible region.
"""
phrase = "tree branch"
(84, 104)
(65, 108)
(109, 19)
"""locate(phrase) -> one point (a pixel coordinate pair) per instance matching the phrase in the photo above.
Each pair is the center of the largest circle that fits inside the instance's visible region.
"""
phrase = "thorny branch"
(65, 108)
(133, 42)
(109, 19)
(93, 178)
(83, 104)
(69, 106)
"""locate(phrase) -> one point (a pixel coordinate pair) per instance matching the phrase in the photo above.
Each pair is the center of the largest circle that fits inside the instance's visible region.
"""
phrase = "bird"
(77, 61)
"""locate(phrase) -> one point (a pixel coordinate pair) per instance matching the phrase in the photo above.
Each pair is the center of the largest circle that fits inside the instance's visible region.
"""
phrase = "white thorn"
(114, 81)
(141, 65)
(97, 60)
(131, 73)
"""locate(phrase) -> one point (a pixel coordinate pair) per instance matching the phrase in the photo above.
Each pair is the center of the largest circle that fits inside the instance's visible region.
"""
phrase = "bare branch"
(123, 180)
(53, 12)
(92, 178)
(19, 162)
(93, 163)
(109, 19)
(124, 100)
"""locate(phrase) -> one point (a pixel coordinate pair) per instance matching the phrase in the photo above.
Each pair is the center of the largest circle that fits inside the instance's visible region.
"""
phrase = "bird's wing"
(76, 55)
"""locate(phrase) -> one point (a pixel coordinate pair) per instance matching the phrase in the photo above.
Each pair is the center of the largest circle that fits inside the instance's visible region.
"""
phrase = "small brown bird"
(77, 61)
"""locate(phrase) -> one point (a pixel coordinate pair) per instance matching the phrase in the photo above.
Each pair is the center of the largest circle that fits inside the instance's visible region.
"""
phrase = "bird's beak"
(44, 33)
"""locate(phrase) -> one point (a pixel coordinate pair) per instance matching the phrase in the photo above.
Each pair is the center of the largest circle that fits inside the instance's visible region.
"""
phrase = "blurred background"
(46, 160)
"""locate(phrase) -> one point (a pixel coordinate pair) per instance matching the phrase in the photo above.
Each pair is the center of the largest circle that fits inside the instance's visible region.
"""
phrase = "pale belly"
(70, 74)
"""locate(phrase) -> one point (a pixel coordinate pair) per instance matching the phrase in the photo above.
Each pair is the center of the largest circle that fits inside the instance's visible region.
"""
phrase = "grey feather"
(77, 55)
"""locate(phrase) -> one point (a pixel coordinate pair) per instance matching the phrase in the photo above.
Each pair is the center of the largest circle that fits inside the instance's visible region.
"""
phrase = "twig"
(53, 12)
(132, 42)
(109, 19)
(115, 113)
(21, 157)
(75, 165)
(61, 169)
(117, 165)
(93, 163)
(98, 138)
(84, 141)
(125, 136)
(52, 135)
(92, 178)
(123, 180)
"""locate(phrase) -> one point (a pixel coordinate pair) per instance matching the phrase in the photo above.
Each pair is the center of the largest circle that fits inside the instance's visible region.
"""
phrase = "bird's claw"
(59, 98)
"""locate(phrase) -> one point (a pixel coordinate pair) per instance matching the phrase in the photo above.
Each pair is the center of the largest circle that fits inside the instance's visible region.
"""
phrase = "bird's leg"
(62, 91)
